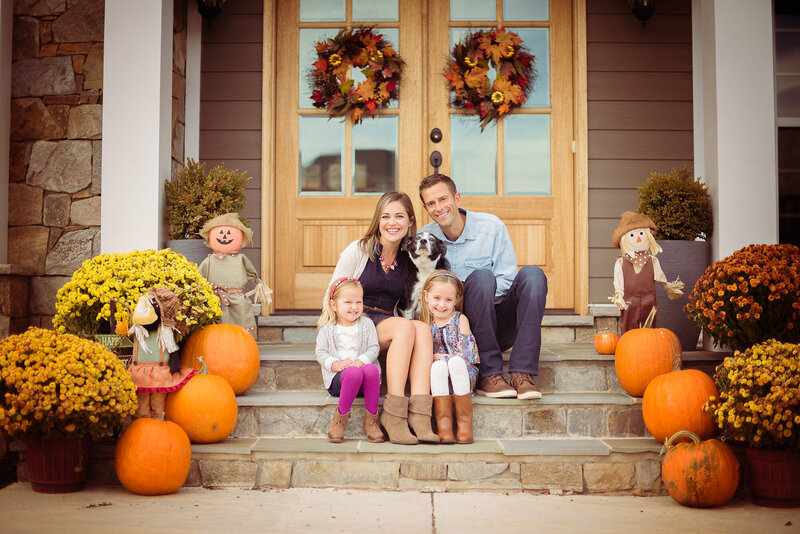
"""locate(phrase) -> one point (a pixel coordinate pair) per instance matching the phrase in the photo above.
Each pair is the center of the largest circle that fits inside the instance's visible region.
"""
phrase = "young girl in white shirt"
(347, 349)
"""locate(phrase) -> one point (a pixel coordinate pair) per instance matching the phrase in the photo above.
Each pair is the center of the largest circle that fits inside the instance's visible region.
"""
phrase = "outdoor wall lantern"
(643, 9)
(209, 9)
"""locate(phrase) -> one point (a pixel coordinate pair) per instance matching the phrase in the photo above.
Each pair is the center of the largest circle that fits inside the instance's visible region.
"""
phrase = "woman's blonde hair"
(369, 243)
(328, 314)
(443, 277)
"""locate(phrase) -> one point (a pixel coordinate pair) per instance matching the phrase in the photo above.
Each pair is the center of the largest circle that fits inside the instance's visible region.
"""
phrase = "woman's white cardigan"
(352, 262)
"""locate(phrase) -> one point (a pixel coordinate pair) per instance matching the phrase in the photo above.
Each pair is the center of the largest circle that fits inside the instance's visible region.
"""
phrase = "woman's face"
(394, 223)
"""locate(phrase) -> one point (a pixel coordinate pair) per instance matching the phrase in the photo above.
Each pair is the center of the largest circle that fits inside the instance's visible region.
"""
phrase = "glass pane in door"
(375, 10)
(375, 146)
(526, 154)
(319, 10)
(474, 154)
(473, 10)
(526, 10)
(321, 145)
(537, 41)
(307, 55)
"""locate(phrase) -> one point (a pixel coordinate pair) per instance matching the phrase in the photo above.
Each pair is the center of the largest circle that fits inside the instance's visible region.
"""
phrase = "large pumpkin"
(700, 473)
(228, 350)
(674, 401)
(606, 342)
(644, 353)
(205, 408)
(153, 457)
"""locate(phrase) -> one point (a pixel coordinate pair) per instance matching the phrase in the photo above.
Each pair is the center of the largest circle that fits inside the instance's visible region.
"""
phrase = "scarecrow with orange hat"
(229, 271)
(637, 271)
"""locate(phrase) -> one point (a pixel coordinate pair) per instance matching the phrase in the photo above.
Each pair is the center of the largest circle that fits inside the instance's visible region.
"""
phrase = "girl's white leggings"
(456, 369)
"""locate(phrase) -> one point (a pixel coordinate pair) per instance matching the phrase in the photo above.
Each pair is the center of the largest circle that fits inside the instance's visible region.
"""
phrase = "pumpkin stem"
(679, 434)
(203, 367)
(648, 323)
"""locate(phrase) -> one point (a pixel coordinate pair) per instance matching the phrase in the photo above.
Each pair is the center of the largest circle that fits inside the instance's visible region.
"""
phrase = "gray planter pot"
(687, 260)
(193, 249)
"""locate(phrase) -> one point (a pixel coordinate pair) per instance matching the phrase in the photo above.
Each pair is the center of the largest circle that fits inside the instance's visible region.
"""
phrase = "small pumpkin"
(606, 342)
(674, 401)
(228, 350)
(645, 353)
(205, 408)
(153, 457)
(700, 473)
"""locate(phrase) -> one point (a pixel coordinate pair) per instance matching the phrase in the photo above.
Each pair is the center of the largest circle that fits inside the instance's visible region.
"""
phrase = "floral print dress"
(448, 340)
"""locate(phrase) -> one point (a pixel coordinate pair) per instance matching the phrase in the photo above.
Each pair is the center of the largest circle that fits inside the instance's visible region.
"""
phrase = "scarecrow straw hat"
(229, 219)
(631, 221)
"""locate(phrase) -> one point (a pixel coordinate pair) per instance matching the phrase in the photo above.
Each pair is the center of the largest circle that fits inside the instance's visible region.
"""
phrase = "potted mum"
(680, 206)
(57, 391)
(195, 196)
(759, 406)
(83, 305)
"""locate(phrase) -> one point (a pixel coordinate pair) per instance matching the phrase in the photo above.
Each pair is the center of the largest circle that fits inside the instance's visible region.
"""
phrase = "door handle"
(436, 161)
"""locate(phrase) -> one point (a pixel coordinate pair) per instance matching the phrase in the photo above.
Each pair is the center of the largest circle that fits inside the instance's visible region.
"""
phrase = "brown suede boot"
(394, 419)
(443, 408)
(371, 428)
(338, 424)
(464, 418)
(419, 417)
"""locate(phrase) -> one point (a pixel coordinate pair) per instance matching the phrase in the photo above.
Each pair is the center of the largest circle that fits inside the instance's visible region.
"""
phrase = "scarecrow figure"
(637, 271)
(154, 374)
(229, 271)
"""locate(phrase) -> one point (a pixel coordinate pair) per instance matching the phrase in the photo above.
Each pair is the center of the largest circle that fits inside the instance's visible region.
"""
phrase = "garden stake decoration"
(331, 81)
(637, 271)
(468, 80)
(229, 271)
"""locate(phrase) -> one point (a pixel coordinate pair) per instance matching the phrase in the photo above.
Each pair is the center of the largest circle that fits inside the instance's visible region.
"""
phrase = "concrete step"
(562, 415)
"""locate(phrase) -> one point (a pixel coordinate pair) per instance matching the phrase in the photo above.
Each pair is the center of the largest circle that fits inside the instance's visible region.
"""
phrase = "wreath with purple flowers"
(468, 80)
(332, 86)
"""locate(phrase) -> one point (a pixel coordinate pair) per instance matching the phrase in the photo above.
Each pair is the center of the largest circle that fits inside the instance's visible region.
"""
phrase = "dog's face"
(425, 244)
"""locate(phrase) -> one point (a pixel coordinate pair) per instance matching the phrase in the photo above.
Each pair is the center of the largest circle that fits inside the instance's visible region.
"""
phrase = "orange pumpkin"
(700, 473)
(228, 350)
(606, 342)
(674, 401)
(153, 457)
(205, 408)
(644, 353)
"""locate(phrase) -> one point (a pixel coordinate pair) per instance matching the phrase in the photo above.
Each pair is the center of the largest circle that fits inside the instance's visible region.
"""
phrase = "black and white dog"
(427, 253)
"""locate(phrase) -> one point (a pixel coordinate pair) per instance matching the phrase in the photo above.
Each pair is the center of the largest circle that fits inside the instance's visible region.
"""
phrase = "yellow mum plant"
(82, 304)
(759, 400)
(59, 384)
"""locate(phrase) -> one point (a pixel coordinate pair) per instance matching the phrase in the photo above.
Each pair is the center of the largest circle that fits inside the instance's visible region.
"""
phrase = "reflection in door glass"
(318, 10)
(525, 10)
(473, 10)
(526, 154)
(375, 10)
(321, 144)
(307, 55)
(375, 143)
(474, 165)
(537, 41)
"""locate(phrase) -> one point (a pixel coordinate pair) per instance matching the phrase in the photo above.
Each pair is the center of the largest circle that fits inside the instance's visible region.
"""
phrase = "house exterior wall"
(230, 102)
(639, 115)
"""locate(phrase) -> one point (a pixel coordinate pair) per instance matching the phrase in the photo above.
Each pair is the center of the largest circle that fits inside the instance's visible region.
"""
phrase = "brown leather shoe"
(372, 428)
(443, 408)
(464, 418)
(523, 383)
(338, 424)
(495, 386)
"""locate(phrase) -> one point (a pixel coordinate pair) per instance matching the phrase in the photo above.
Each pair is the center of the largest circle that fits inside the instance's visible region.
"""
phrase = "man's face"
(442, 205)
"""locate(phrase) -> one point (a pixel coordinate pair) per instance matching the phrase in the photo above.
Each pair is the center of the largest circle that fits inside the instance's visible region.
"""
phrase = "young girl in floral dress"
(347, 350)
(455, 355)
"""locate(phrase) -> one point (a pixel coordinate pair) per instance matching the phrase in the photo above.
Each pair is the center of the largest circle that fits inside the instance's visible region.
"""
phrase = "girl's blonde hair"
(328, 313)
(369, 243)
(440, 277)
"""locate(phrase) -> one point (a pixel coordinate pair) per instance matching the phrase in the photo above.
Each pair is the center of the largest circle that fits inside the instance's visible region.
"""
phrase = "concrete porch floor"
(102, 509)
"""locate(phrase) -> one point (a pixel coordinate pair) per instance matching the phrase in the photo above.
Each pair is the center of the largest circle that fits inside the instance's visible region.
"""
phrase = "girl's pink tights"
(353, 378)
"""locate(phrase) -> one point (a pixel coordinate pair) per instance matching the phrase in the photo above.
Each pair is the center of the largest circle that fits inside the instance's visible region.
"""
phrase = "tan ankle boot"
(371, 428)
(443, 408)
(394, 419)
(419, 417)
(464, 418)
(338, 424)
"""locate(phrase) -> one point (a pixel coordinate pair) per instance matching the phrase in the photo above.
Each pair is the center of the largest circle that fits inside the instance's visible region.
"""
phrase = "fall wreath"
(468, 80)
(332, 86)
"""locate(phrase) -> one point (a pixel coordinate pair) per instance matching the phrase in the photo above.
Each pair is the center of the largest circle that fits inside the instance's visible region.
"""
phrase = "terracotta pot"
(58, 465)
(774, 477)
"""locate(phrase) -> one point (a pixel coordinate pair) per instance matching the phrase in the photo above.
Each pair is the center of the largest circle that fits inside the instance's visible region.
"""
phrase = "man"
(504, 307)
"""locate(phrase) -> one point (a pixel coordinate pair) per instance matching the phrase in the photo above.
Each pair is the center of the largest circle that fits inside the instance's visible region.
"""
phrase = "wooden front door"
(329, 173)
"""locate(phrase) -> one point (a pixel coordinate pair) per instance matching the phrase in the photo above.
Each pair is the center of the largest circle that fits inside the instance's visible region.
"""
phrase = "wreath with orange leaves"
(332, 86)
(468, 80)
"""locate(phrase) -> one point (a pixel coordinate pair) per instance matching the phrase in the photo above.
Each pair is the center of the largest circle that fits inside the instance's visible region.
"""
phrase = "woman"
(378, 263)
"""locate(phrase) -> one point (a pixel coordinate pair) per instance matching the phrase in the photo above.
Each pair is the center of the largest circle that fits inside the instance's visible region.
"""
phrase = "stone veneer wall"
(56, 135)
